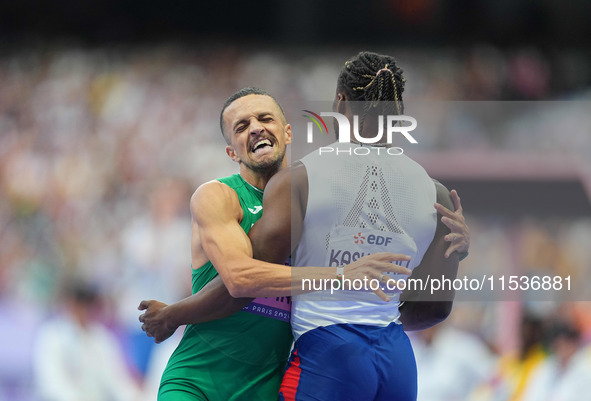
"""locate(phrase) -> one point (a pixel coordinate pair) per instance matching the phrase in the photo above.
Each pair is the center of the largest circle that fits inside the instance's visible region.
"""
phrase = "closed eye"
(265, 118)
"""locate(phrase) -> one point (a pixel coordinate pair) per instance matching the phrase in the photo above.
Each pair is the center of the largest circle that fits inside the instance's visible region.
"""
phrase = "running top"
(361, 200)
(241, 357)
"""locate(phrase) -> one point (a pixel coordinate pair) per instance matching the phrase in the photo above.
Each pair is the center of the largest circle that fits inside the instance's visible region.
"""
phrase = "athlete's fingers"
(454, 238)
(456, 199)
(381, 257)
(456, 227)
(391, 284)
(382, 260)
(382, 295)
(141, 318)
(147, 332)
(459, 247)
(392, 257)
(451, 249)
(385, 257)
(393, 268)
(144, 305)
(442, 210)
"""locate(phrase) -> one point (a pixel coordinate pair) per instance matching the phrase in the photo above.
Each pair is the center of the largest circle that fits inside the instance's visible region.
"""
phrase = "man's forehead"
(251, 105)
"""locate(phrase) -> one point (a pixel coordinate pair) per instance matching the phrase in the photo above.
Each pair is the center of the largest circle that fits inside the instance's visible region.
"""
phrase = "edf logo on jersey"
(372, 239)
(359, 238)
(341, 257)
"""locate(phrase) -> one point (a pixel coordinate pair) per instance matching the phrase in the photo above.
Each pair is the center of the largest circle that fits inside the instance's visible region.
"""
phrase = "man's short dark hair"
(241, 93)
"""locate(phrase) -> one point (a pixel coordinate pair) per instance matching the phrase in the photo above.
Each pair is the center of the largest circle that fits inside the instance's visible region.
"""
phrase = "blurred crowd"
(100, 150)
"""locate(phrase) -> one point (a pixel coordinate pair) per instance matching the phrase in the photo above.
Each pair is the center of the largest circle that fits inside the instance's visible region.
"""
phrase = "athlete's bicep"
(216, 212)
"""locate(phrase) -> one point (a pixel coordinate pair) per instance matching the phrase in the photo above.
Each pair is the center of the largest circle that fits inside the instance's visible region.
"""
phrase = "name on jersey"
(340, 257)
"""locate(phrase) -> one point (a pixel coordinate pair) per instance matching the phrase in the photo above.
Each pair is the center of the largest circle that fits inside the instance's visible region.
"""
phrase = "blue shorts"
(351, 362)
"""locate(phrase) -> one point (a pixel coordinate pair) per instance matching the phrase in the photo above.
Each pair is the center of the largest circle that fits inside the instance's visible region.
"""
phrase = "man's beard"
(266, 167)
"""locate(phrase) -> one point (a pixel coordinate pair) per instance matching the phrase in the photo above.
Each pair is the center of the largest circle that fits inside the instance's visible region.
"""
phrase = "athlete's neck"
(258, 179)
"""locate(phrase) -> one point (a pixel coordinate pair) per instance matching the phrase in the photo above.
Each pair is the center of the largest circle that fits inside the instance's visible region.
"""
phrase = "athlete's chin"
(265, 164)
(268, 159)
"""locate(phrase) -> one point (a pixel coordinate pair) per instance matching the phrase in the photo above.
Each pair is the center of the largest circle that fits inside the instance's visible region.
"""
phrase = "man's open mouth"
(261, 146)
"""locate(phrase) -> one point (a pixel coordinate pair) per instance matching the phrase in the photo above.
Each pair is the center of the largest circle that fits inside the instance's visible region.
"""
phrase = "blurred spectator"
(157, 262)
(76, 358)
(18, 323)
(514, 371)
(451, 363)
(565, 375)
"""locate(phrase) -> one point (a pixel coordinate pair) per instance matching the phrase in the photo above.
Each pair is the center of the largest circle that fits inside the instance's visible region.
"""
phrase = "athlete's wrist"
(340, 272)
(340, 275)
(172, 320)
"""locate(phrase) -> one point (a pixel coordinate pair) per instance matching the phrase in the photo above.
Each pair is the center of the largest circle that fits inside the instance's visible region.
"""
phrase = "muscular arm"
(226, 245)
(421, 309)
(214, 301)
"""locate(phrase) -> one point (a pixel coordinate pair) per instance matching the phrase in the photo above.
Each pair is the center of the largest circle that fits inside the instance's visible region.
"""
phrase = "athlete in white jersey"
(360, 204)
(351, 345)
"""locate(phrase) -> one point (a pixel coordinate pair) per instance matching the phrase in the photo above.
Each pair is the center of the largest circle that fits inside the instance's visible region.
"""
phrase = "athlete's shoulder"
(213, 187)
(213, 195)
(233, 181)
(443, 195)
(298, 167)
(412, 165)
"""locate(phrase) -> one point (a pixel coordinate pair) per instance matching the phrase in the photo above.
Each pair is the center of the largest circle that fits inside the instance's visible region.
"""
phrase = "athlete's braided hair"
(375, 80)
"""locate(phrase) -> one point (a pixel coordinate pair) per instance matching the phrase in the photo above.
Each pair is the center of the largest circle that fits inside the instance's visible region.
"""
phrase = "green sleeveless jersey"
(241, 357)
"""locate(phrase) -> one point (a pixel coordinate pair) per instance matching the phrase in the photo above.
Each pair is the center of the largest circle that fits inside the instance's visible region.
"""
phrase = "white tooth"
(263, 142)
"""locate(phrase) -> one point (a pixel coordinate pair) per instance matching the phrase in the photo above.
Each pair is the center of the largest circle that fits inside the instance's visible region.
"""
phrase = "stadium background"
(109, 120)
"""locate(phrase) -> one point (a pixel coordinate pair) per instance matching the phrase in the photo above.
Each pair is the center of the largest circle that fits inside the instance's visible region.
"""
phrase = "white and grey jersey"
(360, 204)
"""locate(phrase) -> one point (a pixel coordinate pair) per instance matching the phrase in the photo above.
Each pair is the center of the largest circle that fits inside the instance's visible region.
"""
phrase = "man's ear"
(230, 152)
(287, 134)
(340, 103)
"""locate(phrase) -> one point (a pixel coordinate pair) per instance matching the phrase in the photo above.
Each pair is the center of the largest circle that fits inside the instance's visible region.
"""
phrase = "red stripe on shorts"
(291, 379)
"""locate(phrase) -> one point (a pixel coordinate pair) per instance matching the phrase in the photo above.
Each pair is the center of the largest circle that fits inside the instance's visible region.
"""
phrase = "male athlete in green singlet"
(242, 357)
(212, 356)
